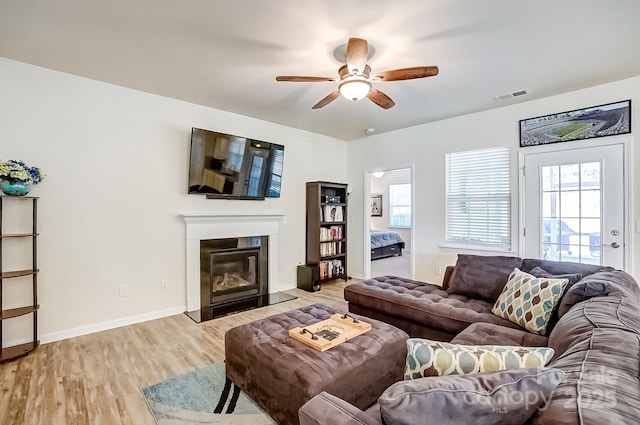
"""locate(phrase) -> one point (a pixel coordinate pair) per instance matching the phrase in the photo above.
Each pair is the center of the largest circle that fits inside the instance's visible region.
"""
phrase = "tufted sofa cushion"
(490, 334)
(422, 303)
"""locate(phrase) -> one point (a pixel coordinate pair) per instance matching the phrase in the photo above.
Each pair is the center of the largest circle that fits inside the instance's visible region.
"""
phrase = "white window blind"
(479, 198)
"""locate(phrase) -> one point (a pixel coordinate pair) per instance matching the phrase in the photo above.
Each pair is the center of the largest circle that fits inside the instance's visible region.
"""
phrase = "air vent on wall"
(511, 95)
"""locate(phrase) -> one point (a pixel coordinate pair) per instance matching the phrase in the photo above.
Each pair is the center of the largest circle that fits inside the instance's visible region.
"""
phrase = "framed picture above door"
(585, 123)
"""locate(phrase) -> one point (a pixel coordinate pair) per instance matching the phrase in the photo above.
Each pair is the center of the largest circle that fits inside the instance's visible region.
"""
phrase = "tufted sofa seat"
(421, 309)
(490, 334)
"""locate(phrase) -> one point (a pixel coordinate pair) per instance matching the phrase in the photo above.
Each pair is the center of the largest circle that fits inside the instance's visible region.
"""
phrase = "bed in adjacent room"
(385, 244)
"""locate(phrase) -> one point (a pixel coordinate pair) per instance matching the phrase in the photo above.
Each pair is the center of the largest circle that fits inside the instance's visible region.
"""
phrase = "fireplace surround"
(227, 236)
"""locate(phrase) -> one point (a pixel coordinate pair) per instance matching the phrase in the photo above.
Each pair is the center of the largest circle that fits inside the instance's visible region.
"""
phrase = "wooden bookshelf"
(326, 229)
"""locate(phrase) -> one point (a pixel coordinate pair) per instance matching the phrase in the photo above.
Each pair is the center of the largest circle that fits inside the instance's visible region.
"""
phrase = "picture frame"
(332, 213)
(376, 205)
(580, 124)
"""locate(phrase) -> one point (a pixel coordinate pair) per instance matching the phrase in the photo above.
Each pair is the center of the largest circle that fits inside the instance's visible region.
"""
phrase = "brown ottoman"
(281, 374)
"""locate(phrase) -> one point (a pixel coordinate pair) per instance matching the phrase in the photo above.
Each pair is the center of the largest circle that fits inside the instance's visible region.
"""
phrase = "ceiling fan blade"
(407, 73)
(333, 96)
(299, 79)
(380, 99)
(357, 55)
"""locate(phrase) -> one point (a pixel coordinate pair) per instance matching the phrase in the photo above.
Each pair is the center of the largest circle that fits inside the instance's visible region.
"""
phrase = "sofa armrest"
(326, 409)
(448, 271)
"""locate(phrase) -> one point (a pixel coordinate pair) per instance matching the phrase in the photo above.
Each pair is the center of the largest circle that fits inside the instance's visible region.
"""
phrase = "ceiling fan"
(355, 79)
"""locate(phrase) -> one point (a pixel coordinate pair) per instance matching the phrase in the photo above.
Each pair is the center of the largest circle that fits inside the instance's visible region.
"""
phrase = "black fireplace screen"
(234, 270)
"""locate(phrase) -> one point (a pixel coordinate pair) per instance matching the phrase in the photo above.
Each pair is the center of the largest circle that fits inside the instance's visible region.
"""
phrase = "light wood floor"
(97, 379)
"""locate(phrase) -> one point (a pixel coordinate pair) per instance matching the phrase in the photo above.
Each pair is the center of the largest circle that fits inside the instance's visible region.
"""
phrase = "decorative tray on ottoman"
(330, 332)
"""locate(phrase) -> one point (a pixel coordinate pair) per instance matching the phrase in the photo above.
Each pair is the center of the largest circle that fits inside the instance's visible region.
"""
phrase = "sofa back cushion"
(490, 398)
(561, 267)
(479, 276)
(584, 290)
(571, 277)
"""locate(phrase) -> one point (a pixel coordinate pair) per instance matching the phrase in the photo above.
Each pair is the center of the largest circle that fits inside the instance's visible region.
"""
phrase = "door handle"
(613, 245)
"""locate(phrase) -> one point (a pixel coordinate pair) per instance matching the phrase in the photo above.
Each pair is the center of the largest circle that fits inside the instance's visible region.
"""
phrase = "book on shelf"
(330, 233)
(330, 248)
(331, 268)
(332, 213)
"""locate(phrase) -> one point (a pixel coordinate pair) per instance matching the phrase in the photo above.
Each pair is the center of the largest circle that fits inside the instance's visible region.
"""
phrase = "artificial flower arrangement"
(18, 170)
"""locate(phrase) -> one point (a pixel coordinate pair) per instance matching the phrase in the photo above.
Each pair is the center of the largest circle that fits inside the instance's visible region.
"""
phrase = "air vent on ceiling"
(511, 95)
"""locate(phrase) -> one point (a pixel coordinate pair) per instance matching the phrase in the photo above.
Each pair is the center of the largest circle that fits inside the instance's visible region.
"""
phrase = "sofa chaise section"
(420, 309)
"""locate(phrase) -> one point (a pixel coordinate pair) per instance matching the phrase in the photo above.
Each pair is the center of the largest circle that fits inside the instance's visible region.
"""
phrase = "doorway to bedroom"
(390, 223)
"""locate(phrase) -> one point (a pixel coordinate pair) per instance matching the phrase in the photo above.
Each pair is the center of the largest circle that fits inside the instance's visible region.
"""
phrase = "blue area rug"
(204, 396)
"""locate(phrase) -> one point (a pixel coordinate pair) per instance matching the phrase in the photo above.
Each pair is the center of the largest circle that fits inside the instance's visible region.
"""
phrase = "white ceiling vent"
(511, 95)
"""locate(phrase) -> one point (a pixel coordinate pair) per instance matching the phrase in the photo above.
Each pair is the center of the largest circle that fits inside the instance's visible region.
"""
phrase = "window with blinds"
(400, 205)
(479, 199)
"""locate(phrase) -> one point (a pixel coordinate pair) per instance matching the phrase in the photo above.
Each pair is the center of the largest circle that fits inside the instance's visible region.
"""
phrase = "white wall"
(117, 165)
(425, 146)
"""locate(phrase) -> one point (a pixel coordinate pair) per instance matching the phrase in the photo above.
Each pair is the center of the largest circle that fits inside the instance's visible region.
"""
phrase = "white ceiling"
(226, 53)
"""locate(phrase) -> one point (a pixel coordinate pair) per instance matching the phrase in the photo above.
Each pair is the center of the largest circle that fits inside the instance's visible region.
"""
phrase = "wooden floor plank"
(98, 378)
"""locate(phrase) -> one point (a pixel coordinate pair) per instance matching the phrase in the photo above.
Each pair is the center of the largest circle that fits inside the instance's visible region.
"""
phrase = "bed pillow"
(479, 276)
(505, 398)
(529, 301)
(434, 358)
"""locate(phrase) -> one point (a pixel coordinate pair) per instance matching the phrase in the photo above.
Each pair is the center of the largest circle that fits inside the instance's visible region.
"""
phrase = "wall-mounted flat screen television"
(233, 167)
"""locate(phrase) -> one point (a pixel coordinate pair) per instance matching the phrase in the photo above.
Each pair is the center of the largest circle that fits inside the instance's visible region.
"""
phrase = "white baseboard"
(112, 324)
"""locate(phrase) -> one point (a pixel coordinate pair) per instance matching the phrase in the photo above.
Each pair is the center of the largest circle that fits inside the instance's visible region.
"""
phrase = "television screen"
(226, 166)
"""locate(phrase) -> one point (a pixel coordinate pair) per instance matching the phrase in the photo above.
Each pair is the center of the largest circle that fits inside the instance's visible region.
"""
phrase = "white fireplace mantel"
(215, 226)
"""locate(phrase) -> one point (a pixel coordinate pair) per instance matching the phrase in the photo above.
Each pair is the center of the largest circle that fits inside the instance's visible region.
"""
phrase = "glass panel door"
(574, 205)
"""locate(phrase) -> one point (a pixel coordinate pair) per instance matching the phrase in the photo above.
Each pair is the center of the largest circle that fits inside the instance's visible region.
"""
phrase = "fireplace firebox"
(233, 274)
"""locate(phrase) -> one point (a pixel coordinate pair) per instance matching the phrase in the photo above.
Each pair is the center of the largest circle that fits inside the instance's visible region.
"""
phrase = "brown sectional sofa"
(596, 341)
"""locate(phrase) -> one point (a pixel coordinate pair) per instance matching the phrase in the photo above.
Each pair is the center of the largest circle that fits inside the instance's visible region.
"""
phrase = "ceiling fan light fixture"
(355, 88)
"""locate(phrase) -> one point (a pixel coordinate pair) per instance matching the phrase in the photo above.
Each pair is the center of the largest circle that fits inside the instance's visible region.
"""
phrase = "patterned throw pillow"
(528, 301)
(434, 358)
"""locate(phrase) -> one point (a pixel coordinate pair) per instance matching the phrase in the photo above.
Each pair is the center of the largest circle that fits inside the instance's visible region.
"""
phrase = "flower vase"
(14, 187)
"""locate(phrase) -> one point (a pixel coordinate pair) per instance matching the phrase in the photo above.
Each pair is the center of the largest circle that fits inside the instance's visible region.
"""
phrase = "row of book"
(330, 248)
(331, 268)
(332, 233)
